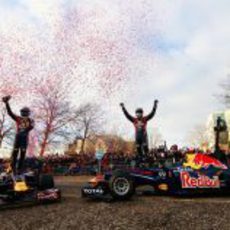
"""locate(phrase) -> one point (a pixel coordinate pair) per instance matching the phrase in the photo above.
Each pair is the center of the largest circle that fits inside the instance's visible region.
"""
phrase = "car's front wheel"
(121, 186)
(46, 182)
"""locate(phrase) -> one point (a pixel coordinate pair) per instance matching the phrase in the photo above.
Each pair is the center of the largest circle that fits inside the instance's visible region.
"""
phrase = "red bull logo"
(202, 181)
(199, 160)
(205, 161)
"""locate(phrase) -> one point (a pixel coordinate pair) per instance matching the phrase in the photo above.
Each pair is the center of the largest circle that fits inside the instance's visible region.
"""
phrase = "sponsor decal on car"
(48, 195)
(201, 181)
(162, 174)
(93, 191)
(203, 161)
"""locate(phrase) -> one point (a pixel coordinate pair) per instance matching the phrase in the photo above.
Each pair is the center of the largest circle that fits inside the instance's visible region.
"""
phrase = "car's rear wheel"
(121, 186)
(46, 182)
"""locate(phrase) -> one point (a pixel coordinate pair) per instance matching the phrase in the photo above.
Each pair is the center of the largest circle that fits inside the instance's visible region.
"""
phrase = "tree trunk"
(44, 143)
(84, 139)
(83, 145)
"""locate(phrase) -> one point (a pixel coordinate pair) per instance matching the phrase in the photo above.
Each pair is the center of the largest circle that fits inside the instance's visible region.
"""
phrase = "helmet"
(139, 110)
(25, 112)
(139, 113)
(174, 148)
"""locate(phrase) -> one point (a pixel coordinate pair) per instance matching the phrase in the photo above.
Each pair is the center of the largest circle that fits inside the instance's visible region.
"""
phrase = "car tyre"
(46, 182)
(121, 185)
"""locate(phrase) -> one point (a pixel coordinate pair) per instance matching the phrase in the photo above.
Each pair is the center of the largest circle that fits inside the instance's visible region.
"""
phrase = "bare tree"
(198, 136)
(53, 112)
(118, 144)
(89, 122)
(6, 127)
(225, 95)
(155, 138)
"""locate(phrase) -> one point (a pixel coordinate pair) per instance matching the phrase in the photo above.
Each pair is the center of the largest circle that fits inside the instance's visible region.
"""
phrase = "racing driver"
(24, 125)
(140, 124)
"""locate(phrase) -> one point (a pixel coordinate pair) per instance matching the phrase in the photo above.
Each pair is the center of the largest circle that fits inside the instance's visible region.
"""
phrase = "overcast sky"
(180, 53)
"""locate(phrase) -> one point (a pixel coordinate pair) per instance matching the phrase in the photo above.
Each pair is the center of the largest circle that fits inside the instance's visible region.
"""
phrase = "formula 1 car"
(27, 188)
(200, 173)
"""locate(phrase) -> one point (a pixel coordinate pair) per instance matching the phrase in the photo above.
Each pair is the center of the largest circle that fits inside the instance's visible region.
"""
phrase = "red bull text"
(202, 181)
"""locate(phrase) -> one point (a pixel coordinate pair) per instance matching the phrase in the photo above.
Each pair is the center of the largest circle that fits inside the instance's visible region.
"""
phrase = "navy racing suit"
(23, 126)
(140, 124)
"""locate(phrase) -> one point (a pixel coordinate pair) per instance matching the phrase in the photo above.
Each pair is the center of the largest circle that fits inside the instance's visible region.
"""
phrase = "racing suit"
(24, 125)
(141, 137)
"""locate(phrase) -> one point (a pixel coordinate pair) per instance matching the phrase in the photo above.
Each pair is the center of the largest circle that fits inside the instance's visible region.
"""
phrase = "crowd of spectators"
(156, 158)
(65, 164)
(86, 163)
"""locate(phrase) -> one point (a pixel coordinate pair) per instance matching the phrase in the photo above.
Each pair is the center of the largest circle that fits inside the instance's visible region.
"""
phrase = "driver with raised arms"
(24, 125)
(140, 124)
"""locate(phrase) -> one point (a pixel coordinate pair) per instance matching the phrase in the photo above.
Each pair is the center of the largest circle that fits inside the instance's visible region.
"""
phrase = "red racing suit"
(141, 137)
(24, 125)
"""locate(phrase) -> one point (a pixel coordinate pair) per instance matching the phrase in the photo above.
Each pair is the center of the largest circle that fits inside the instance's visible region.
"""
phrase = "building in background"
(113, 143)
(155, 138)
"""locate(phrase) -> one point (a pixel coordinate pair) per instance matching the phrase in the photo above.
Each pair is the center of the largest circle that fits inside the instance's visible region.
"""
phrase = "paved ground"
(143, 212)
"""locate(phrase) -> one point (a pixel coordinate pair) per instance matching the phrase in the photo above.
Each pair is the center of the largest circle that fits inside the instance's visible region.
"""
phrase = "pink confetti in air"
(85, 49)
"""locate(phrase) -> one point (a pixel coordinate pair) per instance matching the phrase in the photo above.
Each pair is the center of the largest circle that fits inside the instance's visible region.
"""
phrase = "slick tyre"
(46, 182)
(121, 186)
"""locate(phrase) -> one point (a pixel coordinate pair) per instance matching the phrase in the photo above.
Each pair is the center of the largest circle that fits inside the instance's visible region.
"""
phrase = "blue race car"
(199, 174)
(28, 188)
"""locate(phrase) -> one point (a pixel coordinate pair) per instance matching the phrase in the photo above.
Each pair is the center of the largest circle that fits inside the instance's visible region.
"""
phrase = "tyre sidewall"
(46, 182)
(126, 176)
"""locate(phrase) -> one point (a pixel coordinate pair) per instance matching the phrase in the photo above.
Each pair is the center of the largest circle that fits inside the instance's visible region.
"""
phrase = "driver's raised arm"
(9, 111)
(153, 112)
(128, 116)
